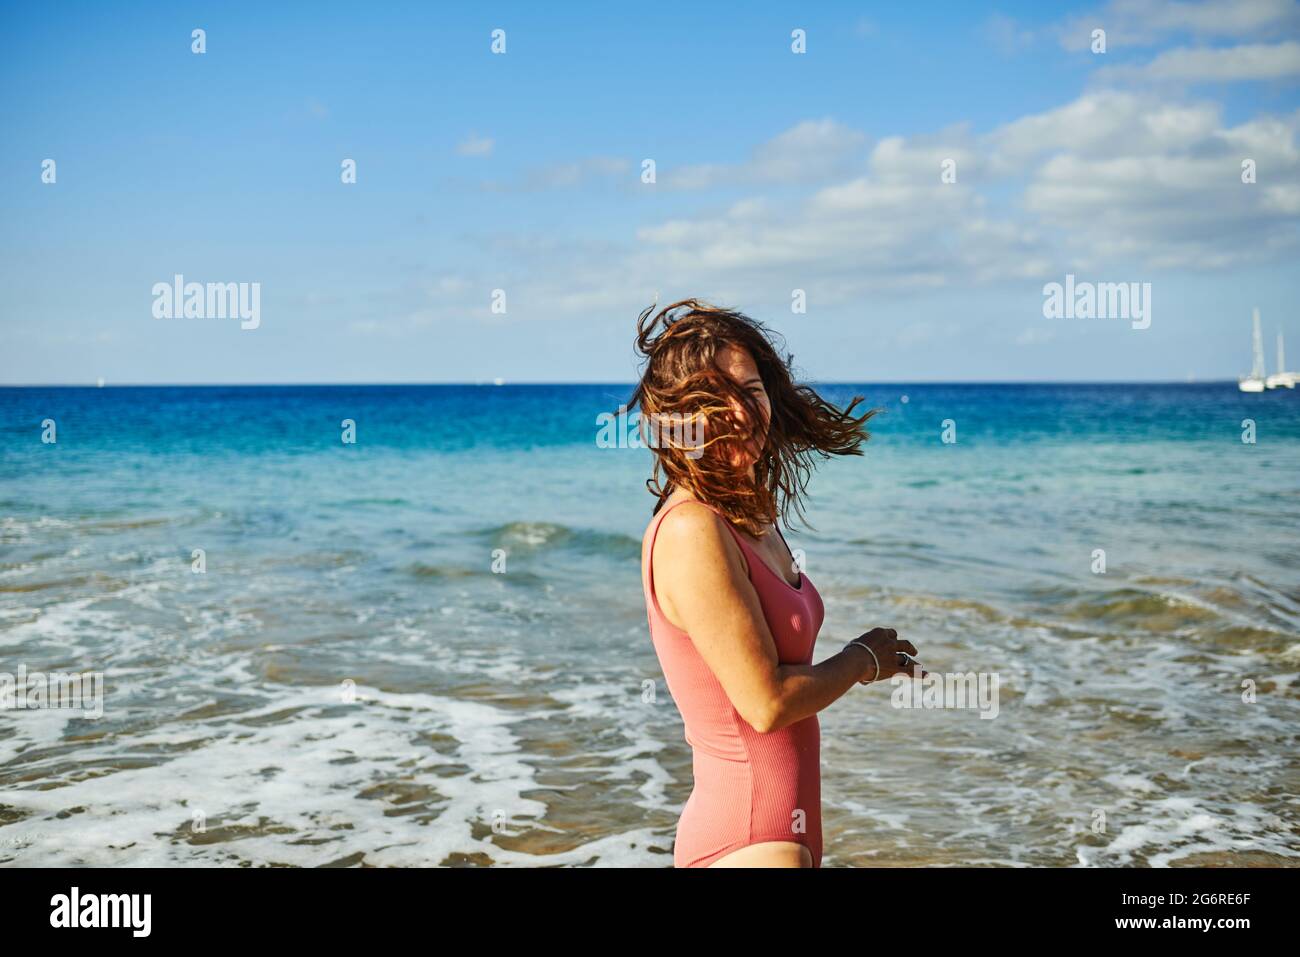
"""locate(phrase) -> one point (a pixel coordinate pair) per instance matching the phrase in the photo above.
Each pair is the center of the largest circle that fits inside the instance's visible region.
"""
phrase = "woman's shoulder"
(690, 530)
(682, 515)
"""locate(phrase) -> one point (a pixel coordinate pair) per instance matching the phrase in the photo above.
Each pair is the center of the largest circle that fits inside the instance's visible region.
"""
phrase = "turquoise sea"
(429, 646)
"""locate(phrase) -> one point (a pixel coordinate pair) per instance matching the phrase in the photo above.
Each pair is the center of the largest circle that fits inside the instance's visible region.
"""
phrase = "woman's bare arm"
(704, 589)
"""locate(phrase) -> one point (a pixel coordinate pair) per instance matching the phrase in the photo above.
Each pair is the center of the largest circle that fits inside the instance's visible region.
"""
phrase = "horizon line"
(492, 384)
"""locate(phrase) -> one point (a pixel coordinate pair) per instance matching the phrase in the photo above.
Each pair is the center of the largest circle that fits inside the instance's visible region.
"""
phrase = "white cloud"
(1130, 23)
(1112, 179)
(475, 145)
(1035, 336)
(1120, 183)
(1105, 123)
(1166, 189)
(581, 172)
(1007, 35)
(1255, 61)
(807, 152)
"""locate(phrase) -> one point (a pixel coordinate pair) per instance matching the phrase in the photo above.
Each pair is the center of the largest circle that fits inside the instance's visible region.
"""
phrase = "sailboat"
(1255, 381)
(1281, 379)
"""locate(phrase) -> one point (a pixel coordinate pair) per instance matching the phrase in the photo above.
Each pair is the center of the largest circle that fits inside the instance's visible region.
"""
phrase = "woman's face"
(739, 365)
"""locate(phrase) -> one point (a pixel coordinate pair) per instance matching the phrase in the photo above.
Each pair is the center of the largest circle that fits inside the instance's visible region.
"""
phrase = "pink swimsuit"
(749, 787)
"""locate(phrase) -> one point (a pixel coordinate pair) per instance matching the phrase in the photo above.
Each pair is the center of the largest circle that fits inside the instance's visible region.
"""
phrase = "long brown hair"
(681, 378)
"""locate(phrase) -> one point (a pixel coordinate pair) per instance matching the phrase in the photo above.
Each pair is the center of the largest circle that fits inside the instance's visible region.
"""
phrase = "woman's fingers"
(893, 661)
(912, 669)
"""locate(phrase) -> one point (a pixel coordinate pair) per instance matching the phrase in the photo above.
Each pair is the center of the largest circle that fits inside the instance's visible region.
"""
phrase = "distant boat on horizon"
(1281, 379)
(1255, 381)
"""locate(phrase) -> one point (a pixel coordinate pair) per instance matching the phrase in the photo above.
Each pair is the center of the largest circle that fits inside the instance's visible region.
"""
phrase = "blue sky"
(775, 171)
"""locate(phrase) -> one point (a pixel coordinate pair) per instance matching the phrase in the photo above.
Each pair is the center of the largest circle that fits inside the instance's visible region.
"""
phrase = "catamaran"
(1255, 381)
(1281, 379)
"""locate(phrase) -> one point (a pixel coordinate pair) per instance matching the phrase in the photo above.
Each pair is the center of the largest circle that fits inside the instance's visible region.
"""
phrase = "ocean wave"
(462, 573)
(541, 536)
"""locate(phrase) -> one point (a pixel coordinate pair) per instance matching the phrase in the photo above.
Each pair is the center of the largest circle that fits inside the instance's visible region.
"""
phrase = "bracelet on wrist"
(875, 674)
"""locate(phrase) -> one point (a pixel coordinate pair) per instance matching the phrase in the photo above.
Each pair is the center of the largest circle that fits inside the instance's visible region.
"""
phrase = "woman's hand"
(893, 656)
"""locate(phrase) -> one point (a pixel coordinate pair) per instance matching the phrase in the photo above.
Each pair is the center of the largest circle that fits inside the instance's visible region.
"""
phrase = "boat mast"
(1257, 370)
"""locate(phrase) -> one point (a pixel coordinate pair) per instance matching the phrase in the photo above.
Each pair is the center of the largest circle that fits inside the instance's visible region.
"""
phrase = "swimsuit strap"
(746, 548)
(683, 501)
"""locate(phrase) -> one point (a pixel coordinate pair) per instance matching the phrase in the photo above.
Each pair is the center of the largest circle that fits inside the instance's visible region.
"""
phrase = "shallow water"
(350, 681)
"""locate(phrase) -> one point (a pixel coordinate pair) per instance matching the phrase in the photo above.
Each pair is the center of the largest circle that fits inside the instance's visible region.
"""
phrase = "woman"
(732, 617)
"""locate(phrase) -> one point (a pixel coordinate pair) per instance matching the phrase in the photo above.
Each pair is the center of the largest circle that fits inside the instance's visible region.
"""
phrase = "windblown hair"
(681, 380)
